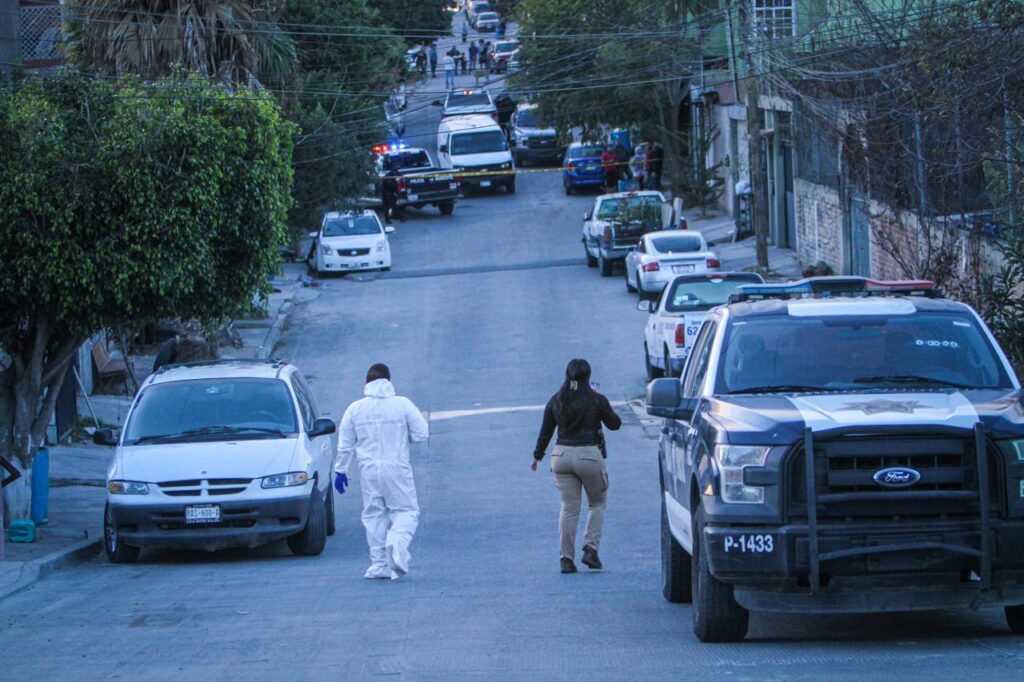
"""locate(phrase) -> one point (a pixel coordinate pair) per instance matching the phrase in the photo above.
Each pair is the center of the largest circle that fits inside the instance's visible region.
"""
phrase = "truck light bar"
(385, 148)
(828, 287)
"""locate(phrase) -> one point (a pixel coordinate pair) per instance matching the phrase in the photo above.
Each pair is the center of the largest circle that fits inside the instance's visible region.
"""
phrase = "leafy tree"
(707, 185)
(119, 205)
(414, 19)
(231, 40)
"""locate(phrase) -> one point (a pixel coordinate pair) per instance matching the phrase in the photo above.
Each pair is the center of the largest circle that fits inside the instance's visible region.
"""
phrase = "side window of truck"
(697, 367)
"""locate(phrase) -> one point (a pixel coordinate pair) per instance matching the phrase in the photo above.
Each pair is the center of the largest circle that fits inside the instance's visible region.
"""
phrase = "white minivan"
(477, 146)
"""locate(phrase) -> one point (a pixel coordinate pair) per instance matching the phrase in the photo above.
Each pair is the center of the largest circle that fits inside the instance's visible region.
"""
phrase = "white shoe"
(398, 561)
(377, 572)
(395, 575)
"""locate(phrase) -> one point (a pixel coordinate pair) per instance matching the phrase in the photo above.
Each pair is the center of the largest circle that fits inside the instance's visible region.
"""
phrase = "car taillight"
(608, 234)
(571, 166)
(652, 267)
(402, 185)
(683, 225)
(680, 334)
(714, 263)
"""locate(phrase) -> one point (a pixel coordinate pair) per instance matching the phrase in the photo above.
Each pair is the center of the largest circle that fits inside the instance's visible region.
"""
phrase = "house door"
(790, 197)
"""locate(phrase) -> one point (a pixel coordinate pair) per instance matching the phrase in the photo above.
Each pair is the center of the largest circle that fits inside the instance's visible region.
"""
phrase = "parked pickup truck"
(617, 222)
(411, 173)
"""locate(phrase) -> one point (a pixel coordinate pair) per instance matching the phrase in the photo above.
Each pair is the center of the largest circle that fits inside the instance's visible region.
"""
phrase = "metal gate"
(860, 237)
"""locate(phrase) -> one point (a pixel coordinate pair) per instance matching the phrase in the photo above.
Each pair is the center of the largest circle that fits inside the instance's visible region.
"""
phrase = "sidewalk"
(78, 472)
(718, 228)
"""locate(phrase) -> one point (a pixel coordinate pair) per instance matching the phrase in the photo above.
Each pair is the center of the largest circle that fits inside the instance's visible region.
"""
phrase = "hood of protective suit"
(380, 388)
(378, 429)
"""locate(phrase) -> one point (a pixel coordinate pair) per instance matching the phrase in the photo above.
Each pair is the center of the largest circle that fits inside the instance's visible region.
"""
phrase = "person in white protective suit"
(378, 429)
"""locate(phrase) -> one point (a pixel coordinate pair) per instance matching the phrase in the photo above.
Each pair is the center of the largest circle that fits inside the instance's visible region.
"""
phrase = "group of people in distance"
(645, 166)
(456, 61)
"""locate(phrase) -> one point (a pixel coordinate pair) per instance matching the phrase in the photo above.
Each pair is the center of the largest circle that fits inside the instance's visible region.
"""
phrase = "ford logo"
(897, 477)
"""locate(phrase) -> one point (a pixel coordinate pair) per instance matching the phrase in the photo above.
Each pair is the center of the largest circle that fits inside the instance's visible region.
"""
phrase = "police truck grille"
(846, 486)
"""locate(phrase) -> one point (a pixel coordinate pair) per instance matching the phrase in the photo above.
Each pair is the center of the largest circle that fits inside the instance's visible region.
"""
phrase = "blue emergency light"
(827, 287)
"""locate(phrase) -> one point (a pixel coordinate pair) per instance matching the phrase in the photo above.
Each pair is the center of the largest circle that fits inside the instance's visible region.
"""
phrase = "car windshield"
(527, 118)
(212, 409)
(417, 159)
(505, 47)
(474, 100)
(686, 243)
(630, 208)
(590, 151)
(920, 350)
(478, 143)
(686, 295)
(481, 7)
(348, 226)
(489, 16)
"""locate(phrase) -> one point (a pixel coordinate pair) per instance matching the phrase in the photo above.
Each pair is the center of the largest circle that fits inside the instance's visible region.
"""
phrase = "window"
(774, 18)
(704, 293)
(697, 367)
(478, 143)
(686, 243)
(347, 226)
(473, 100)
(585, 152)
(305, 408)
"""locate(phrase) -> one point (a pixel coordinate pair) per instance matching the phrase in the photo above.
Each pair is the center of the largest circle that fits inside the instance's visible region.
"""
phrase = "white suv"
(220, 454)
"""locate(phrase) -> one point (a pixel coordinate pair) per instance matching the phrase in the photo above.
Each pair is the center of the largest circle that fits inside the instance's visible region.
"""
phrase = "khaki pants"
(577, 469)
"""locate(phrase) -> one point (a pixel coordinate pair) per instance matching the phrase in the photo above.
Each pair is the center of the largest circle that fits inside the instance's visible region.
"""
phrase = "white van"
(476, 145)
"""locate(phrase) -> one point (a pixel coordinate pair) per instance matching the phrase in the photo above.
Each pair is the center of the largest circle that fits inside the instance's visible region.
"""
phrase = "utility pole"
(758, 181)
(10, 38)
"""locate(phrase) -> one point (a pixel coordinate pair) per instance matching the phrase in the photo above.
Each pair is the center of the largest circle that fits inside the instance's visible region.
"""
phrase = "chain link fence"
(41, 36)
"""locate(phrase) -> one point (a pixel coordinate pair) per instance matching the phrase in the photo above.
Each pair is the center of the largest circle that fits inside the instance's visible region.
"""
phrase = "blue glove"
(340, 483)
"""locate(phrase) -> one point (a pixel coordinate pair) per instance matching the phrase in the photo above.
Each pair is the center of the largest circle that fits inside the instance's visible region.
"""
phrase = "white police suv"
(841, 445)
(220, 454)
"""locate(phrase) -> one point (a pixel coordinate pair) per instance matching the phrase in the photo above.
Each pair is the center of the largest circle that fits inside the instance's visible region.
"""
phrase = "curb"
(33, 571)
(274, 333)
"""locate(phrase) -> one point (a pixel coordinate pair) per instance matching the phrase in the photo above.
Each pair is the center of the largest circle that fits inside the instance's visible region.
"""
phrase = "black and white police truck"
(841, 445)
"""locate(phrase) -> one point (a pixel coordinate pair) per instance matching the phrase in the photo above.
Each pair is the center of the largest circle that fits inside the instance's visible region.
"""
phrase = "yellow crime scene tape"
(506, 171)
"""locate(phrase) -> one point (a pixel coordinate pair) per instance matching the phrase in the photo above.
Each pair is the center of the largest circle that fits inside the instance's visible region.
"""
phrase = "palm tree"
(235, 41)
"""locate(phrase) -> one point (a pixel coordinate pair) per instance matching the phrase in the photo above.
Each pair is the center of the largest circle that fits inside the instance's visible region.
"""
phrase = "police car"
(675, 317)
(841, 445)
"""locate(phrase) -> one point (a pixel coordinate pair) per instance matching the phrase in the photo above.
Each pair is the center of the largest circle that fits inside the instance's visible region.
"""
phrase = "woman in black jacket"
(578, 459)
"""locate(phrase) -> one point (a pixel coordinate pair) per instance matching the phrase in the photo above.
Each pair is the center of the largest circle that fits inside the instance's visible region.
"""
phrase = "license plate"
(202, 513)
(748, 544)
(682, 269)
(413, 197)
(485, 183)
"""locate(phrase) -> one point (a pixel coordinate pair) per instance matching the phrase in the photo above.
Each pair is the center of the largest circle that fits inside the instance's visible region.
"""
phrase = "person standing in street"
(377, 430)
(611, 170)
(655, 163)
(622, 159)
(472, 55)
(449, 68)
(638, 166)
(389, 195)
(433, 59)
(421, 61)
(578, 460)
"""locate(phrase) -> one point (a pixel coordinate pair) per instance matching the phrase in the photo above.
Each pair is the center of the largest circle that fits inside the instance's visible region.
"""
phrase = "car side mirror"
(646, 306)
(443, 149)
(104, 437)
(437, 103)
(312, 235)
(388, 229)
(663, 400)
(586, 216)
(321, 427)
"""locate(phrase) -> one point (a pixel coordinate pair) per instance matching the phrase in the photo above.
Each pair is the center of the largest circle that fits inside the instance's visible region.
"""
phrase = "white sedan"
(350, 241)
(675, 318)
(660, 256)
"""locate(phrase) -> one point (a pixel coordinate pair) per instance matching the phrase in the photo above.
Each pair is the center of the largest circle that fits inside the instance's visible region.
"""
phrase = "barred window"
(774, 18)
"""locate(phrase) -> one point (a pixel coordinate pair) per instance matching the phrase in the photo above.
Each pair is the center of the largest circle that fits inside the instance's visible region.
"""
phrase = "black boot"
(568, 566)
(590, 558)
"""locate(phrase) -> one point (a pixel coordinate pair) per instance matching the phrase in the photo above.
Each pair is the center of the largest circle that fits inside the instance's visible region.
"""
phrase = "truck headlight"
(506, 165)
(732, 460)
(127, 488)
(285, 480)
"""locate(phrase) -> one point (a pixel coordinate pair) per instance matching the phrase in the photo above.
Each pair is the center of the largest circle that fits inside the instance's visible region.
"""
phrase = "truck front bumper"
(868, 567)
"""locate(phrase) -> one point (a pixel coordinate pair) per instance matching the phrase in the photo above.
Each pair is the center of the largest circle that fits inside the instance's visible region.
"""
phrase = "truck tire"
(605, 266)
(1015, 619)
(568, 189)
(716, 615)
(446, 207)
(591, 261)
(676, 565)
(310, 540)
(668, 364)
(331, 525)
(117, 551)
(652, 371)
(510, 186)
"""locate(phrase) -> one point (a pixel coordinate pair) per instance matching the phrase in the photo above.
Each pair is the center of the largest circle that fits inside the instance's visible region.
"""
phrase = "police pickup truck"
(841, 445)
(415, 180)
(616, 223)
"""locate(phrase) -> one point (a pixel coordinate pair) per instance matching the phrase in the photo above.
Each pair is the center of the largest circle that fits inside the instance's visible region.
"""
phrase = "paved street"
(477, 320)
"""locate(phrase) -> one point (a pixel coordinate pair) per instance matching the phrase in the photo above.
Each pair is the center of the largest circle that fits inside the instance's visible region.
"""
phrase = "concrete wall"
(819, 225)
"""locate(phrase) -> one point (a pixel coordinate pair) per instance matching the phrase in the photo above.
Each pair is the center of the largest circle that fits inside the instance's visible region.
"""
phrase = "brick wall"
(819, 225)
